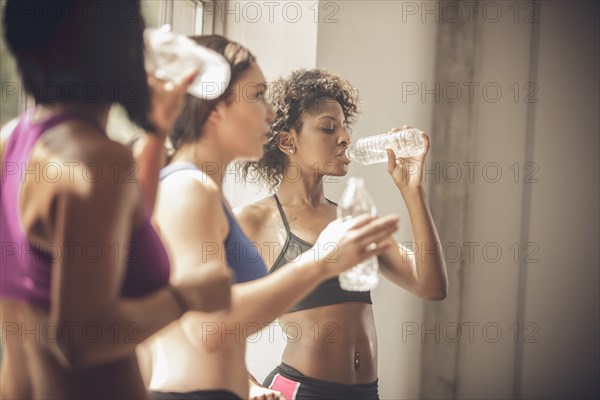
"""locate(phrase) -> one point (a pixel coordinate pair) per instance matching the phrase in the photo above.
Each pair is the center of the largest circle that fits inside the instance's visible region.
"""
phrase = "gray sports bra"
(328, 292)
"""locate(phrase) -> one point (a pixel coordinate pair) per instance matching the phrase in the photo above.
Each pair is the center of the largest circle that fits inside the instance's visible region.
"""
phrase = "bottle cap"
(171, 57)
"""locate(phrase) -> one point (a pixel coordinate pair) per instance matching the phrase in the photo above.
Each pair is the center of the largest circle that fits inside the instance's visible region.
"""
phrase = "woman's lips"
(344, 157)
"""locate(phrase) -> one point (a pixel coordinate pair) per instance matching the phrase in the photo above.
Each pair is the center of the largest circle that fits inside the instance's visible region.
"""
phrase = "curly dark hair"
(291, 97)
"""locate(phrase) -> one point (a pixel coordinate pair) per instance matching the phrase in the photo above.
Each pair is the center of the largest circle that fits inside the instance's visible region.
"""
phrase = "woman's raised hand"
(167, 101)
(407, 172)
(344, 244)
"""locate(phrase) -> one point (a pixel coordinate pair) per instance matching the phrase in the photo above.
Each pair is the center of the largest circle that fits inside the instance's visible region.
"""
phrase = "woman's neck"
(99, 112)
(306, 190)
(209, 158)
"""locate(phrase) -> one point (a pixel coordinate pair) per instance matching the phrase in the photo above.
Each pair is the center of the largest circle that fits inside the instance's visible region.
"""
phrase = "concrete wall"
(531, 296)
(561, 292)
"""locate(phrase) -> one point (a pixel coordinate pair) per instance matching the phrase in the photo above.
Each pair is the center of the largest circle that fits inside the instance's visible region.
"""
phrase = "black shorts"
(197, 395)
(296, 386)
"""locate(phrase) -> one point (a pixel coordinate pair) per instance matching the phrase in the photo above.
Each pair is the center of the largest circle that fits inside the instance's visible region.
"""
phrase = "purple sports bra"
(26, 268)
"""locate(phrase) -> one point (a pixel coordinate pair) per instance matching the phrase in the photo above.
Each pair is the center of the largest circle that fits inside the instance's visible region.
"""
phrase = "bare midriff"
(181, 362)
(335, 343)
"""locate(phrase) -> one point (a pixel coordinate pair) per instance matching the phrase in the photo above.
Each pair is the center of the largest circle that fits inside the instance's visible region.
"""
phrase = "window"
(188, 17)
(13, 100)
(185, 16)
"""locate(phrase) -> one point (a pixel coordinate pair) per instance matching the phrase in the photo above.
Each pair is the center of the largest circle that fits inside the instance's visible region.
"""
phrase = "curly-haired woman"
(308, 138)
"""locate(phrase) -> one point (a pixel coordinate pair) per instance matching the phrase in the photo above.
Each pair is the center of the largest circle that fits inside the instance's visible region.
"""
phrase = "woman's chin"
(340, 170)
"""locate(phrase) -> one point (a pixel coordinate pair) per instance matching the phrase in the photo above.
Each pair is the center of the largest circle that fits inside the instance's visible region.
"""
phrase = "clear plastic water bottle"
(171, 57)
(372, 149)
(356, 201)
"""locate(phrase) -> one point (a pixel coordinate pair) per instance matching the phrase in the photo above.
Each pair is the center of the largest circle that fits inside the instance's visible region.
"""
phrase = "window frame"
(210, 25)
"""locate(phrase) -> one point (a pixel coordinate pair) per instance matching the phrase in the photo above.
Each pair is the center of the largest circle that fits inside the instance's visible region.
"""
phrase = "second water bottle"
(356, 201)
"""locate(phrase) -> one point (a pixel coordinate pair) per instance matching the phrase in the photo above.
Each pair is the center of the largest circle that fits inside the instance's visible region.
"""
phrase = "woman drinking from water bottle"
(307, 141)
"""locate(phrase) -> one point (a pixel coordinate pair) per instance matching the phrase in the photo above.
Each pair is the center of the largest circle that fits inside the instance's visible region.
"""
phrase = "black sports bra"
(328, 292)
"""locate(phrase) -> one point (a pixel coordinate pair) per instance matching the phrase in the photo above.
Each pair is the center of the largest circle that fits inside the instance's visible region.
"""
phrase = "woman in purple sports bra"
(314, 110)
(84, 276)
(202, 356)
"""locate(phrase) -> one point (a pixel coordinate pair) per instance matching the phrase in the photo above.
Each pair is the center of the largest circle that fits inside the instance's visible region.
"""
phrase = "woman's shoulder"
(88, 176)
(71, 160)
(190, 195)
(190, 182)
(78, 145)
(254, 216)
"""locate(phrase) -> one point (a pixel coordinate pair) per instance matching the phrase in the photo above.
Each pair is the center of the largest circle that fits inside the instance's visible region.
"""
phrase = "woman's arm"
(90, 218)
(150, 155)
(423, 269)
(340, 246)
(195, 231)
(149, 150)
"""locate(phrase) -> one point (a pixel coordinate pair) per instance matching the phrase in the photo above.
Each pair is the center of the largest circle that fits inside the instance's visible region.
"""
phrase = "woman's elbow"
(70, 355)
(75, 354)
(437, 294)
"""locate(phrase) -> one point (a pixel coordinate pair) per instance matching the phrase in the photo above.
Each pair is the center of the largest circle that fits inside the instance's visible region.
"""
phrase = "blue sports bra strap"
(175, 167)
(285, 222)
